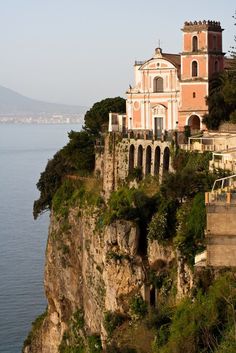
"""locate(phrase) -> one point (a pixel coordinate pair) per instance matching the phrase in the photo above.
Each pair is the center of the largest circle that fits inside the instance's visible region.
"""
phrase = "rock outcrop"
(96, 270)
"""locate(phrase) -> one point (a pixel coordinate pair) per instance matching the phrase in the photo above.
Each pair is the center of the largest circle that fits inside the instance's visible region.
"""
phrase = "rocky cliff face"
(94, 270)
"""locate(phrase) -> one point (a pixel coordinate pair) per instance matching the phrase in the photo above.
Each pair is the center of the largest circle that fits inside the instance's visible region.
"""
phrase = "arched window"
(158, 84)
(148, 160)
(195, 43)
(131, 158)
(194, 69)
(216, 66)
(140, 157)
(166, 160)
(157, 160)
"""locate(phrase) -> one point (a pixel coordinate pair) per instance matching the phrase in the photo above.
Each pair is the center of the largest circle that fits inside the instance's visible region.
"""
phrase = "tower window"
(158, 84)
(195, 43)
(194, 94)
(194, 69)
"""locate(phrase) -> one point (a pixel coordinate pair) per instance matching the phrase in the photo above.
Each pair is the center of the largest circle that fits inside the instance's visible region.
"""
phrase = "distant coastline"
(43, 119)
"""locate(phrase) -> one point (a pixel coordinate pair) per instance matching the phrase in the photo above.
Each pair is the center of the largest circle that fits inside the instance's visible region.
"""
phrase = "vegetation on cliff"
(78, 155)
(205, 322)
(222, 95)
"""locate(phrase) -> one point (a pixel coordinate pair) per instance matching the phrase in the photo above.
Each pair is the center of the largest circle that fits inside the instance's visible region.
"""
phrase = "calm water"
(24, 151)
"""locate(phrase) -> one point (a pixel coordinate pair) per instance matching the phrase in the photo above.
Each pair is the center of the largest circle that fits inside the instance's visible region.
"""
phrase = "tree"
(98, 115)
(222, 95)
(218, 109)
(78, 156)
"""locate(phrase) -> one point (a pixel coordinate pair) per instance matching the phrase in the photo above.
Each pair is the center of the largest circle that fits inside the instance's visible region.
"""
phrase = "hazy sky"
(80, 51)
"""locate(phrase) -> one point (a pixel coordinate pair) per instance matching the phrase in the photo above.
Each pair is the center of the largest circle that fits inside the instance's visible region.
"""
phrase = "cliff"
(93, 271)
(119, 275)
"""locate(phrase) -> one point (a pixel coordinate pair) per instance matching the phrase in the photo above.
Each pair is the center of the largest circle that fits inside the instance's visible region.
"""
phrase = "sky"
(82, 51)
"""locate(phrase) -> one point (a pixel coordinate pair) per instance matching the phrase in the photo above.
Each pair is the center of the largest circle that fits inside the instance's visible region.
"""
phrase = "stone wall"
(221, 235)
(120, 156)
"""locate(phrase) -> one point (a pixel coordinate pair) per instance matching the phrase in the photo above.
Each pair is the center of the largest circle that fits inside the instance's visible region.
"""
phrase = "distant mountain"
(13, 103)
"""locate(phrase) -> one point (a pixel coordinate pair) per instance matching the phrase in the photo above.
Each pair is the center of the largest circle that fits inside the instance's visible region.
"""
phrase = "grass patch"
(36, 326)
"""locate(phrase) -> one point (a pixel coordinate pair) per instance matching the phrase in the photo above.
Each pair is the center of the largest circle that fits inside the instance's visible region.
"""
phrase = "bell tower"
(202, 56)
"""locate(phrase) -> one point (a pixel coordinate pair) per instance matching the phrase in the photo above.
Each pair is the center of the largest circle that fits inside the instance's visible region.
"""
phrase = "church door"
(158, 127)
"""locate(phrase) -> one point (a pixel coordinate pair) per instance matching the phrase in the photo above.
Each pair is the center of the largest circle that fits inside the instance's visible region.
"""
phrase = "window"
(194, 69)
(158, 84)
(195, 44)
(194, 94)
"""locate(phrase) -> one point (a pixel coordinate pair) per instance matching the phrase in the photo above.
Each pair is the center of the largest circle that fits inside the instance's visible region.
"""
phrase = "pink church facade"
(170, 90)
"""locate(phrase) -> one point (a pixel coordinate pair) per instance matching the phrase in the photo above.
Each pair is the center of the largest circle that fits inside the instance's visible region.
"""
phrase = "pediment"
(159, 109)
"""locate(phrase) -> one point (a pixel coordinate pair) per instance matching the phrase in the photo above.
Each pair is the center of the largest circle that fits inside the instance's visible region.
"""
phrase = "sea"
(24, 152)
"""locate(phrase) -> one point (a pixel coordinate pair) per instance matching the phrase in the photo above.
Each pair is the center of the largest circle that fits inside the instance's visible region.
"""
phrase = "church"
(170, 90)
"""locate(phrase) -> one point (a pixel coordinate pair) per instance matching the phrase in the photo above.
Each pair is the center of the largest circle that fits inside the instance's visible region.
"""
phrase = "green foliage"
(205, 324)
(135, 174)
(98, 115)
(76, 192)
(114, 349)
(138, 307)
(181, 210)
(94, 344)
(191, 220)
(129, 204)
(162, 225)
(78, 156)
(78, 319)
(222, 98)
(187, 132)
(194, 161)
(191, 176)
(72, 342)
(36, 326)
(233, 117)
(112, 320)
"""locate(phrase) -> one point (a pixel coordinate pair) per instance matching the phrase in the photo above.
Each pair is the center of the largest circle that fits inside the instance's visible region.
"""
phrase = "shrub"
(138, 307)
(36, 326)
(94, 343)
(162, 225)
(78, 319)
(112, 320)
(191, 220)
(205, 324)
(129, 204)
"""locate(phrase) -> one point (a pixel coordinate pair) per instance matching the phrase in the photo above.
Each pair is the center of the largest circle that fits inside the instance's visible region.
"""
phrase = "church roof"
(174, 59)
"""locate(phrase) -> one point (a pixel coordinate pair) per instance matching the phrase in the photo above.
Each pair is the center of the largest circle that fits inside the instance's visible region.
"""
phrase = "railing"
(222, 183)
(220, 198)
(223, 191)
(150, 135)
(210, 144)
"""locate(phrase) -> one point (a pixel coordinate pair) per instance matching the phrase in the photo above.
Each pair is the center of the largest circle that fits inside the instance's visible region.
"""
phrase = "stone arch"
(140, 157)
(131, 158)
(157, 159)
(194, 122)
(148, 160)
(166, 160)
